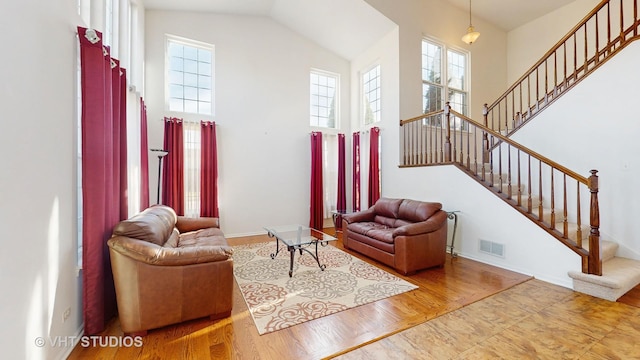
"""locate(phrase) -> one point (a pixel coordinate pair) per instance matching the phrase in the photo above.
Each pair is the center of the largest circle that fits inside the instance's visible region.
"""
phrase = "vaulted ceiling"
(355, 17)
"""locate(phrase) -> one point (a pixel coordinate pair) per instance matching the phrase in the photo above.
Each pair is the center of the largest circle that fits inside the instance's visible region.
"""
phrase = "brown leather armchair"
(407, 235)
(168, 269)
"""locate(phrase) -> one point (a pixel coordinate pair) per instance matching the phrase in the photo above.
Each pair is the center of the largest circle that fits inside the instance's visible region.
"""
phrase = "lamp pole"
(161, 153)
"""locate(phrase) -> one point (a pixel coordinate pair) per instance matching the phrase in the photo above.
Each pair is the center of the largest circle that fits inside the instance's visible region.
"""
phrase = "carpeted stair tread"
(619, 275)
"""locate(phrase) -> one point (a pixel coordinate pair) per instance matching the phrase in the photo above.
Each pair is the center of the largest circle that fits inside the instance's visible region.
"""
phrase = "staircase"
(560, 201)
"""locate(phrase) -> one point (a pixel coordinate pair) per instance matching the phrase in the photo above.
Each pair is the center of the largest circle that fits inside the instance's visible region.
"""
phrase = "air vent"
(492, 248)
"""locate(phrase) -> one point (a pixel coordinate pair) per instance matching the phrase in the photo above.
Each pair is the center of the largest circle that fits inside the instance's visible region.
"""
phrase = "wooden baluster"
(586, 56)
(468, 146)
(406, 154)
(447, 144)
(508, 171)
(540, 211)
(597, 41)
(499, 166)
(485, 138)
(595, 265)
(475, 149)
(564, 75)
(546, 81)
(491, 164)
(635, 18)
(519, 182)
(529, 96)
(553, 202)
(440, 129)
(622, 37)
(555, 73)
(520, 88)
(565, 223)
(530, 187)
(579, 218)
(575, 57)
(608, 24)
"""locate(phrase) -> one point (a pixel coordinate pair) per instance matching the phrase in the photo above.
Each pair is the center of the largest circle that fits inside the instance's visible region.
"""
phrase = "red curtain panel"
(316, 204)
(144, 158)
(208, 170)
(173, 166)
(124, 173)
(341, 204)
(102, 163)
(356, 171)
(374, 165)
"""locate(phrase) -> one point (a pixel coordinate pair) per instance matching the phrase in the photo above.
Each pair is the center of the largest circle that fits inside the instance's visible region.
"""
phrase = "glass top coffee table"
(298, 237)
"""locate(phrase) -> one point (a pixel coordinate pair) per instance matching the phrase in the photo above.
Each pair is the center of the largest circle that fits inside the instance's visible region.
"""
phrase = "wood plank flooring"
(532, 320)
(442, 291)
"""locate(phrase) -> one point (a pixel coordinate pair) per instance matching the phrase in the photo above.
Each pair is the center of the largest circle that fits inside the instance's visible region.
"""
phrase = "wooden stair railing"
(606, 30)
(531, 183)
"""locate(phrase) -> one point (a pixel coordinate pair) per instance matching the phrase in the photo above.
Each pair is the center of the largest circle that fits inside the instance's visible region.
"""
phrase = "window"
(190, 76)
(192, 148)
(444, 83)
(324, 99)
(371, 95)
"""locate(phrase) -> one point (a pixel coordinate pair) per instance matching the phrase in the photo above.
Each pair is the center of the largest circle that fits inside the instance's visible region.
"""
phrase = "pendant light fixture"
(472, 35)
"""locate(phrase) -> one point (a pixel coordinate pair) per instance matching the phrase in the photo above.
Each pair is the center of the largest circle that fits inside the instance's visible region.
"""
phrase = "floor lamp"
(161, 153)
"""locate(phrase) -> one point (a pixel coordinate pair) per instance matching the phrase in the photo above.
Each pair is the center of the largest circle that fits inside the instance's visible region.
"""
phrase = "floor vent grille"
(492, 248)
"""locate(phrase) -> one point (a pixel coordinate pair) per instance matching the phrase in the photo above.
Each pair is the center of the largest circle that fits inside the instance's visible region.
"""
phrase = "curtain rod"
(189, 121)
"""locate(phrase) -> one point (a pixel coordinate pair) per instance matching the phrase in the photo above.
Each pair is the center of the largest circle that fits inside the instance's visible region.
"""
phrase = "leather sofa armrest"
(153, 254)
(186, 224)
(361, 216)
(431, 224)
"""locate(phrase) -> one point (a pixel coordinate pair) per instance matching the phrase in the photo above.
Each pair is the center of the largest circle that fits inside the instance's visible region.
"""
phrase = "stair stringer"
(619, 274)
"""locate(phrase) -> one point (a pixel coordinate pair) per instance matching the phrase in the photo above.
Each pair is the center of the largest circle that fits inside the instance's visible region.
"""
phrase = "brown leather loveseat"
(168, 269)
(407, 235)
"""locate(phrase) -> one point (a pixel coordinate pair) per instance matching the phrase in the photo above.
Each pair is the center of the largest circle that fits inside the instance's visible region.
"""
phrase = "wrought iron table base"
(292, 251)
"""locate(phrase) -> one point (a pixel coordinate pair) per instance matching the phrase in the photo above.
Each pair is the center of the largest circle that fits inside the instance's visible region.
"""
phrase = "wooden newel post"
(485, 137)
(595, 265)
(447, 142)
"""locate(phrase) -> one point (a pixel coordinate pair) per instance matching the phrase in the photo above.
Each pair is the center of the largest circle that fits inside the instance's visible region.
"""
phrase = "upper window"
(371, 95)
(442, 83)
(190, 76)
(324, 99)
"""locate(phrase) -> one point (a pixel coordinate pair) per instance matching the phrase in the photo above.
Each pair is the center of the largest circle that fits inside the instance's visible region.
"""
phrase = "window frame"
(377, 114)
(444, 85)
(336, 97)
(167, 81)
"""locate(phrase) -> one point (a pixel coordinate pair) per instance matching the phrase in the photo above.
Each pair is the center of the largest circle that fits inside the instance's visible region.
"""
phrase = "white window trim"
(445, 70)
(362, 110)
(335, 129)
(192, 43)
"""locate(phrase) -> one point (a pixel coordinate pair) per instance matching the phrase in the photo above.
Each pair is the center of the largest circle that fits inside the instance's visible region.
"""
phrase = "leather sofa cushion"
(374, 230)
(155, 224)
(387, 207)
(416, 211)
(208, 237)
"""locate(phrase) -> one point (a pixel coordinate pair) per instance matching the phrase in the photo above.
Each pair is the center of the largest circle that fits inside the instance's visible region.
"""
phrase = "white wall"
(599, 122)
(262, 111)
(528, 43)
(439, 19)
(385, 53)
(37, 182)
(528, 249)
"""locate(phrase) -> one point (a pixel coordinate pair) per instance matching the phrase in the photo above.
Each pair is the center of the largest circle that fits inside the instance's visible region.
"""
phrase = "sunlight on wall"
(41, 308)
(35, 319)
(134, 190)
(53, 255)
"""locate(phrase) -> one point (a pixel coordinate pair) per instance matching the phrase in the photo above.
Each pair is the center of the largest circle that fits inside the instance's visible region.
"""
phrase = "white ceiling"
(357, 24)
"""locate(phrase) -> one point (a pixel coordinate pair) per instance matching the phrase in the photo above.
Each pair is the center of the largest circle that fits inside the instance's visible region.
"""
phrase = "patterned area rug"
(277, 301)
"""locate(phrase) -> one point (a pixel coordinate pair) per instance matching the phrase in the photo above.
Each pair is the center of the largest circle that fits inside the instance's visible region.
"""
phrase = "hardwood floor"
(365, 328)
(532, 320)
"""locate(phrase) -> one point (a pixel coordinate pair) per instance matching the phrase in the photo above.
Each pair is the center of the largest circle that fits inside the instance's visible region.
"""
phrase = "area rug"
(277, 301)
